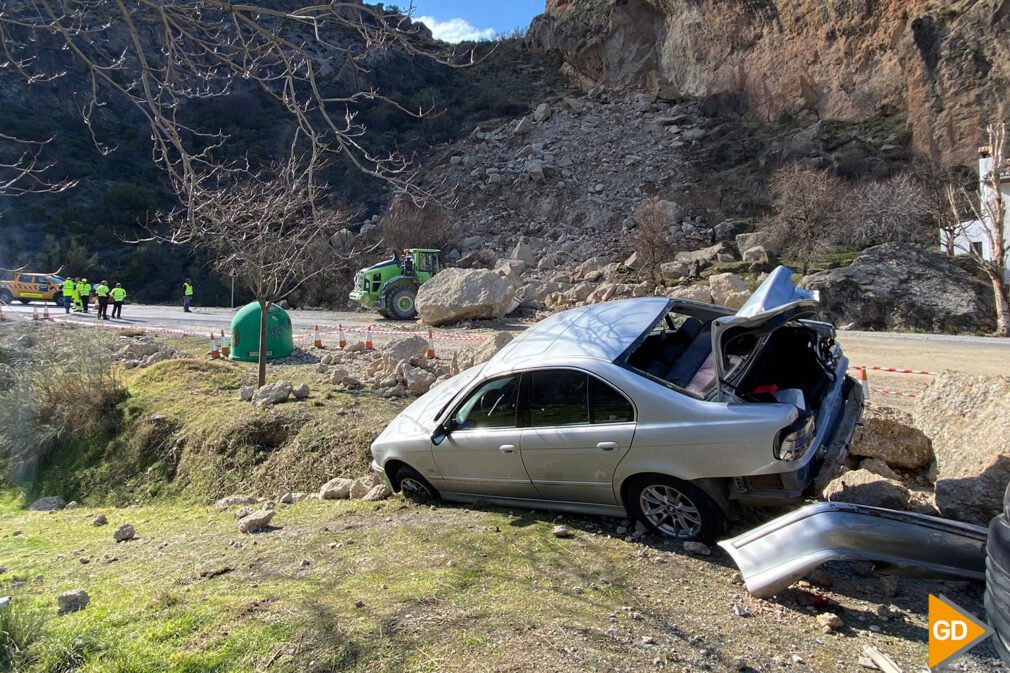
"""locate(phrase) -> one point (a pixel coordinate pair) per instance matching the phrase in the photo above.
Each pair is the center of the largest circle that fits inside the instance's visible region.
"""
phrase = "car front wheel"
(415, 487)
(673, 508)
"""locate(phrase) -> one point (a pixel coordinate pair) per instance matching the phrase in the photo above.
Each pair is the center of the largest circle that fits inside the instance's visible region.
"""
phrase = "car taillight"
(794, 440)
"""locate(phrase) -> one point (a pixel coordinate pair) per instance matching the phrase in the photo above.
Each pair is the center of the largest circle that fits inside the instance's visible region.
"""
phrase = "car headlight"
(794, 440)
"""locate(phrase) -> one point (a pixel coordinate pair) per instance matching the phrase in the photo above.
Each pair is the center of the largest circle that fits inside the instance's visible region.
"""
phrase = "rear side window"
(558, 397)
(606, 405)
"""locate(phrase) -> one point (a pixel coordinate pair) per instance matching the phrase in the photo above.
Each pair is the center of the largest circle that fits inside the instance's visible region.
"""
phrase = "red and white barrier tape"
(895, 393)
(894, 370)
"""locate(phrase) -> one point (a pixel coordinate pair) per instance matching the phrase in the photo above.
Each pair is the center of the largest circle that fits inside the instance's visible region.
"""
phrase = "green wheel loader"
(391, 286)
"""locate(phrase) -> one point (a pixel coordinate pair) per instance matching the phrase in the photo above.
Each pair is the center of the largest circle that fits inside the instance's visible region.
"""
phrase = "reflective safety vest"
(84, 289)
(102, 290)
(187, 289)
(118, 294)
(69, 287)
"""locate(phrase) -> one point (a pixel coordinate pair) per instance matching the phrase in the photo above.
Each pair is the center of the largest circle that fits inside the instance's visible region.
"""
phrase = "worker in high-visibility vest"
(102, 292)
(118, 295)
(187, 295)
(69, 289)
(84, 292)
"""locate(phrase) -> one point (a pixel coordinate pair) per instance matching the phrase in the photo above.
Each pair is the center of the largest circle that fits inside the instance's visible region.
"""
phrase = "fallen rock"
(728, 289)
(363, 486)
(273, 393)
(708, 254)
(301, 392)
(405, 348)
(100, 520)
(124, 533)
(285, 495)
(72, 601)
(877, 466)
(464, 294)
(674, 270)
(829, 621)
(255, 521)
(699, 548)
(899, 286)
(692, 293)
(48, 504)
(336, 489)
(232, 500)
(542, 113)
(417, 380)
(490, 347)
(891, 436)
(563, 532)
(866, 488)
(379, 492)
(246, 393)
(967, 419)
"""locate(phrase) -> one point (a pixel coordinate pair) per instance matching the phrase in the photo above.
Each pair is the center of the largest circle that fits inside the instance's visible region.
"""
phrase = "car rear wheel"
(673, 508)
(415, 487)
(401, 303)
(6, 296)
(997, 587)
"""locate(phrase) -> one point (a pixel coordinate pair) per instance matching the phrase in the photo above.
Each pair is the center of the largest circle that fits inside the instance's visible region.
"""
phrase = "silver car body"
(712, 438)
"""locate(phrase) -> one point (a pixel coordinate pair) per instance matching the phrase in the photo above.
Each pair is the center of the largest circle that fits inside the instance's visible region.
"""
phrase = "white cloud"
(456, 30)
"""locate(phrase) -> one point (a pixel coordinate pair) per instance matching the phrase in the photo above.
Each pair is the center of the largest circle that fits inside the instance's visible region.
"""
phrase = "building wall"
(974, 232)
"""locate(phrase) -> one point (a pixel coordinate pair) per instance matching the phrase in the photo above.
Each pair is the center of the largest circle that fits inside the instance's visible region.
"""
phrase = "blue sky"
(456, 20)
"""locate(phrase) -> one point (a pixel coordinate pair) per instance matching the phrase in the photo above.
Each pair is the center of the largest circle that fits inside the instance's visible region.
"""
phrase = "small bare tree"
(266, 228)
(810, 208)
(989, 210)
(410, 224)
(893, 209)
(653, 239)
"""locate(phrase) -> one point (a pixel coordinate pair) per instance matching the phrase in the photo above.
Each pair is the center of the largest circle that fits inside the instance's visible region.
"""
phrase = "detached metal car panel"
(670, 411)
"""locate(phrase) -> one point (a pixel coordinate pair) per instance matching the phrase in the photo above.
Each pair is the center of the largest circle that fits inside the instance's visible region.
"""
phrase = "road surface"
(932, 352)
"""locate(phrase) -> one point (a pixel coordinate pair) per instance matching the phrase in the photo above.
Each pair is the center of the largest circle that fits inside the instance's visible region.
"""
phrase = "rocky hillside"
(943, 64)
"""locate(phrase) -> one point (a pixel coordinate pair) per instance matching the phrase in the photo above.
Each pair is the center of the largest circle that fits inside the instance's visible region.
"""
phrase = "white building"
(973, 234)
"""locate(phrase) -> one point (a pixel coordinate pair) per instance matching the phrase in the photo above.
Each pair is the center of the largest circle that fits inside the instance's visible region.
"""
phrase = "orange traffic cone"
(430, 353)
(368, 340)
(225, 346)
(45, 312)
(864, 384)
(343, 341)
(317, 340)
(214, 352)
(35, 313)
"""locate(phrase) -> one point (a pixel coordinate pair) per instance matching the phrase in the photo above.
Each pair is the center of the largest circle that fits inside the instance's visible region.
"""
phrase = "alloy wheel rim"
(670, 511)
(411, 485)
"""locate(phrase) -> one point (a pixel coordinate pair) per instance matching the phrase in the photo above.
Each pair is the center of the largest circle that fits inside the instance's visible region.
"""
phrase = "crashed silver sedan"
(673, 413)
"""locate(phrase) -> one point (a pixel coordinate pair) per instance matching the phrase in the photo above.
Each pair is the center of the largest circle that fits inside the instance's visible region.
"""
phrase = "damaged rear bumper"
(773, 556)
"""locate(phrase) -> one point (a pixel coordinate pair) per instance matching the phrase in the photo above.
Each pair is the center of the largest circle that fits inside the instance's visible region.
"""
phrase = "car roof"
(599, 332)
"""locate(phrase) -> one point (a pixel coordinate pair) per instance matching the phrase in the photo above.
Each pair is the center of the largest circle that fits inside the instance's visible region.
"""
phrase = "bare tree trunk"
(1002, 306)
(264, 307)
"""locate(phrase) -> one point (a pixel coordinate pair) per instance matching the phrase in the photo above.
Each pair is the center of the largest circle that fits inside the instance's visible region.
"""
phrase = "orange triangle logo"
(952, 630)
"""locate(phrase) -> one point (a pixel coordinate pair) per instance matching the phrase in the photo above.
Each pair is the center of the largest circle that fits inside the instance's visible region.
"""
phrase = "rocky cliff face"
(942, 64)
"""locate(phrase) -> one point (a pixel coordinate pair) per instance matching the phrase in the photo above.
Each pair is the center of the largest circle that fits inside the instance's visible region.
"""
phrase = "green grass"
(396, 587)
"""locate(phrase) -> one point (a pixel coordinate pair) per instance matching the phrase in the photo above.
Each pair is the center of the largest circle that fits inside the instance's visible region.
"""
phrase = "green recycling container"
(245, 333)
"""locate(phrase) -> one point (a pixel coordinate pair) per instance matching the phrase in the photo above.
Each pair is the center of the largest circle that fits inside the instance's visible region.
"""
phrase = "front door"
(481, 455)
(579, 429)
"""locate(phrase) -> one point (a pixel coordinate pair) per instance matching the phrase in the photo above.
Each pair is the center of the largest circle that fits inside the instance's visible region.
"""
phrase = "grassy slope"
(444, 589)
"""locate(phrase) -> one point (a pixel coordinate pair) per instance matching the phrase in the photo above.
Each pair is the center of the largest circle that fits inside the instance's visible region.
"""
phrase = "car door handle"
(607, 446)
(507, 448)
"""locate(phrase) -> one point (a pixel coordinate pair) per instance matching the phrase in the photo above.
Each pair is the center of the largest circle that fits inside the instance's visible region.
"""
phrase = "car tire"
(415, 487)
(997, 586)
(6, 296)
(674, 508)
(401, 303)
(25, 301)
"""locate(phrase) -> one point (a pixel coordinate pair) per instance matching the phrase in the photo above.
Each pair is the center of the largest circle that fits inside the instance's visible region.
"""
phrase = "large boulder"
(692, 293)
(863, 487)
(48, 504)
(464, 294)
(728, 289)
(967, 419)
(890, 435)
(336, 489)
(405, 348)
(899, 286)
(255, 521)
(704, 255)
(273, 393)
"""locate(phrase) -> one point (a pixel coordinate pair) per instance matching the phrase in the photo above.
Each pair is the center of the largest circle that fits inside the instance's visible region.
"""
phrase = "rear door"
(481, 454)
(578, 429)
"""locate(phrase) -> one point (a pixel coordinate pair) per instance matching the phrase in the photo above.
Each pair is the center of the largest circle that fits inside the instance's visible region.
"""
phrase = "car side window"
(607, 405)
(558, 397)
(492, 406)
(27, 279)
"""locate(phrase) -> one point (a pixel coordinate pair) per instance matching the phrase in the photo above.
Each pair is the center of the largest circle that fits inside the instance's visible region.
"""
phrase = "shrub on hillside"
(56, 384)
(412, 225)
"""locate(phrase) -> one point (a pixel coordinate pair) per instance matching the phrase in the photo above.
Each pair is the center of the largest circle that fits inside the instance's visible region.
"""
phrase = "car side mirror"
(441, 432)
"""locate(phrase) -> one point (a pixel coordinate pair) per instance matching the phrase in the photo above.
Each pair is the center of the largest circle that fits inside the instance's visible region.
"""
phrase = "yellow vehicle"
(28, 286)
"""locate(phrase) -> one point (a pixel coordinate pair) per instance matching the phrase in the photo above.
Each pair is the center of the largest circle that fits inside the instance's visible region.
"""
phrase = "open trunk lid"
(775, 303)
